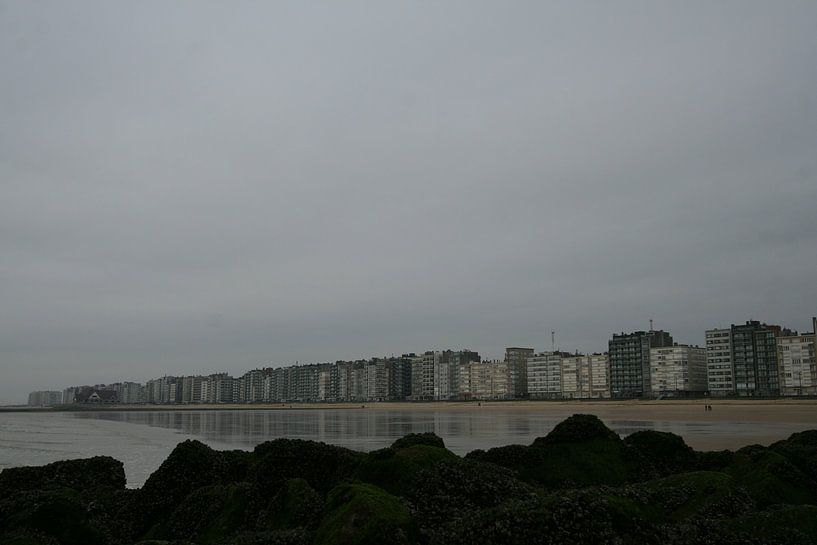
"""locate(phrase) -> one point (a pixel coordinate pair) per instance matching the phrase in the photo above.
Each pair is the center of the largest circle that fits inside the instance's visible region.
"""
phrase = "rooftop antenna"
(553, 341)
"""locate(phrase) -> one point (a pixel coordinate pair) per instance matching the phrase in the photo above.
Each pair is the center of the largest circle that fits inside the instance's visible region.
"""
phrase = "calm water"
(143, 439)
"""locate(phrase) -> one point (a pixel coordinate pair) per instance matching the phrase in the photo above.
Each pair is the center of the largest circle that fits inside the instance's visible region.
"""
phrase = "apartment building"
(517, 360)
(585, 376)
(629, 355)
(678, 370)
(544, 375)
(797, 364)
(720, 374)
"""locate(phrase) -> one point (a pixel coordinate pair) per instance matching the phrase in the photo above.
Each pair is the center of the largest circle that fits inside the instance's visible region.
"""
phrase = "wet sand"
(792, 415)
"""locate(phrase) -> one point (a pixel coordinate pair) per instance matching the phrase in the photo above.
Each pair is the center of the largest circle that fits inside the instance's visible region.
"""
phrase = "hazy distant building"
(679, 369)
(68, 395)
(517, 360)
(720, 374)
(797, 364)
(629, 355)
(45, 398)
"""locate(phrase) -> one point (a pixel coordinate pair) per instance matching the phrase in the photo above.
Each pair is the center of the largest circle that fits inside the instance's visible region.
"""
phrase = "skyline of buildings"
(745, 360)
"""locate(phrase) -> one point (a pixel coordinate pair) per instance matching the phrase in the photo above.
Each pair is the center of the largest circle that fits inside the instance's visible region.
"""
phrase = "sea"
(143, 439)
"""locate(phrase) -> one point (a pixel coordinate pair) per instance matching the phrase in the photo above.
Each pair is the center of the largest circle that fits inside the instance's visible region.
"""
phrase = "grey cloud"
(203, 186)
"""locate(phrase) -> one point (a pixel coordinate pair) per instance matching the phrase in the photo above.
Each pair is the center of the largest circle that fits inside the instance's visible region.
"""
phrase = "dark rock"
(322, 466)
(296, 505)
(89, 473)
(801, 450)
(395, 469)
(429, 439)
(211, 514)
(363, 514)
(578, 428)
(666, 452)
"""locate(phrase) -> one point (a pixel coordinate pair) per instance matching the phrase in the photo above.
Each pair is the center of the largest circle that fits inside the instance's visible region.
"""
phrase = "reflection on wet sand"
(463, 431)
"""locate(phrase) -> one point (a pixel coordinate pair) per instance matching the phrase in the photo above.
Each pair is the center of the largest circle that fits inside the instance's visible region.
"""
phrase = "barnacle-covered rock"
(321, 465)
(89, 473)
(363, 514)
(395, 469)
(666, 452)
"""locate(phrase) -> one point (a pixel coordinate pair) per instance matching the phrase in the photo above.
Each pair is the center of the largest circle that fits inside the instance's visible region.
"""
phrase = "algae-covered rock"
(459, 489)
(770, 478)
(322, 466)
(801, 450)
(363, 514)
(296, 505)
(428, 439)
(785, 525)
(298, 536)
(707, 494)
(57, 514)
(579, 428)
(666, 452)
(190, 466)
(210, 514)
(394, 469)
(89, 473)
(580, 451)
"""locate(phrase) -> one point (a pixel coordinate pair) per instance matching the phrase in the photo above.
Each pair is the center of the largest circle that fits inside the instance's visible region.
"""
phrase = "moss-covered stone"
(578, 428)
(801, 450)
(58, 514)
(770, 478)
(789, 525)
(211, 514)
(190, 466)
(666, 452)
(363, 514)
(459, 489)
(89, 473)
(322, 466)
(296, 505)
(394, 470)
(428, 439)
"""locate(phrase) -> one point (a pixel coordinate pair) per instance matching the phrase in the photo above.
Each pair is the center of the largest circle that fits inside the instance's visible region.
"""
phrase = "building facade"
(678, 369)
(517, 360)
(629, 355)
(720, 374)
(797, 364)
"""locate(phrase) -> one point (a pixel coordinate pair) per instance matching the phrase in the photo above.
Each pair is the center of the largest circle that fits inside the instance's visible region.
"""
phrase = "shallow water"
(143, 439)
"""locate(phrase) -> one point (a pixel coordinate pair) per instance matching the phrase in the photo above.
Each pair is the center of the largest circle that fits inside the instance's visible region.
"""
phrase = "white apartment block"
(796, 364)
(545, 375)
(720, 374)
(585, 377)
(483, 380)
(679, 368)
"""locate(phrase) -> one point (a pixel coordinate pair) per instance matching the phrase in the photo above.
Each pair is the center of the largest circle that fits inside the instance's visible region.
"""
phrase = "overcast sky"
(193, 186)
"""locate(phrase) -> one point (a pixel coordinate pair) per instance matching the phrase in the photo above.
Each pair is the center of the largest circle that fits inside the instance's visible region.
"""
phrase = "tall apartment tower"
(754, 358)
(629, 355)
(517, 360)
(797, 363)
(719, 371)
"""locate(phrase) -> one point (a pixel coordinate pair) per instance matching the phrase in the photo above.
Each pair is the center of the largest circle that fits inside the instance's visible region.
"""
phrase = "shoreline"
(426, 405)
